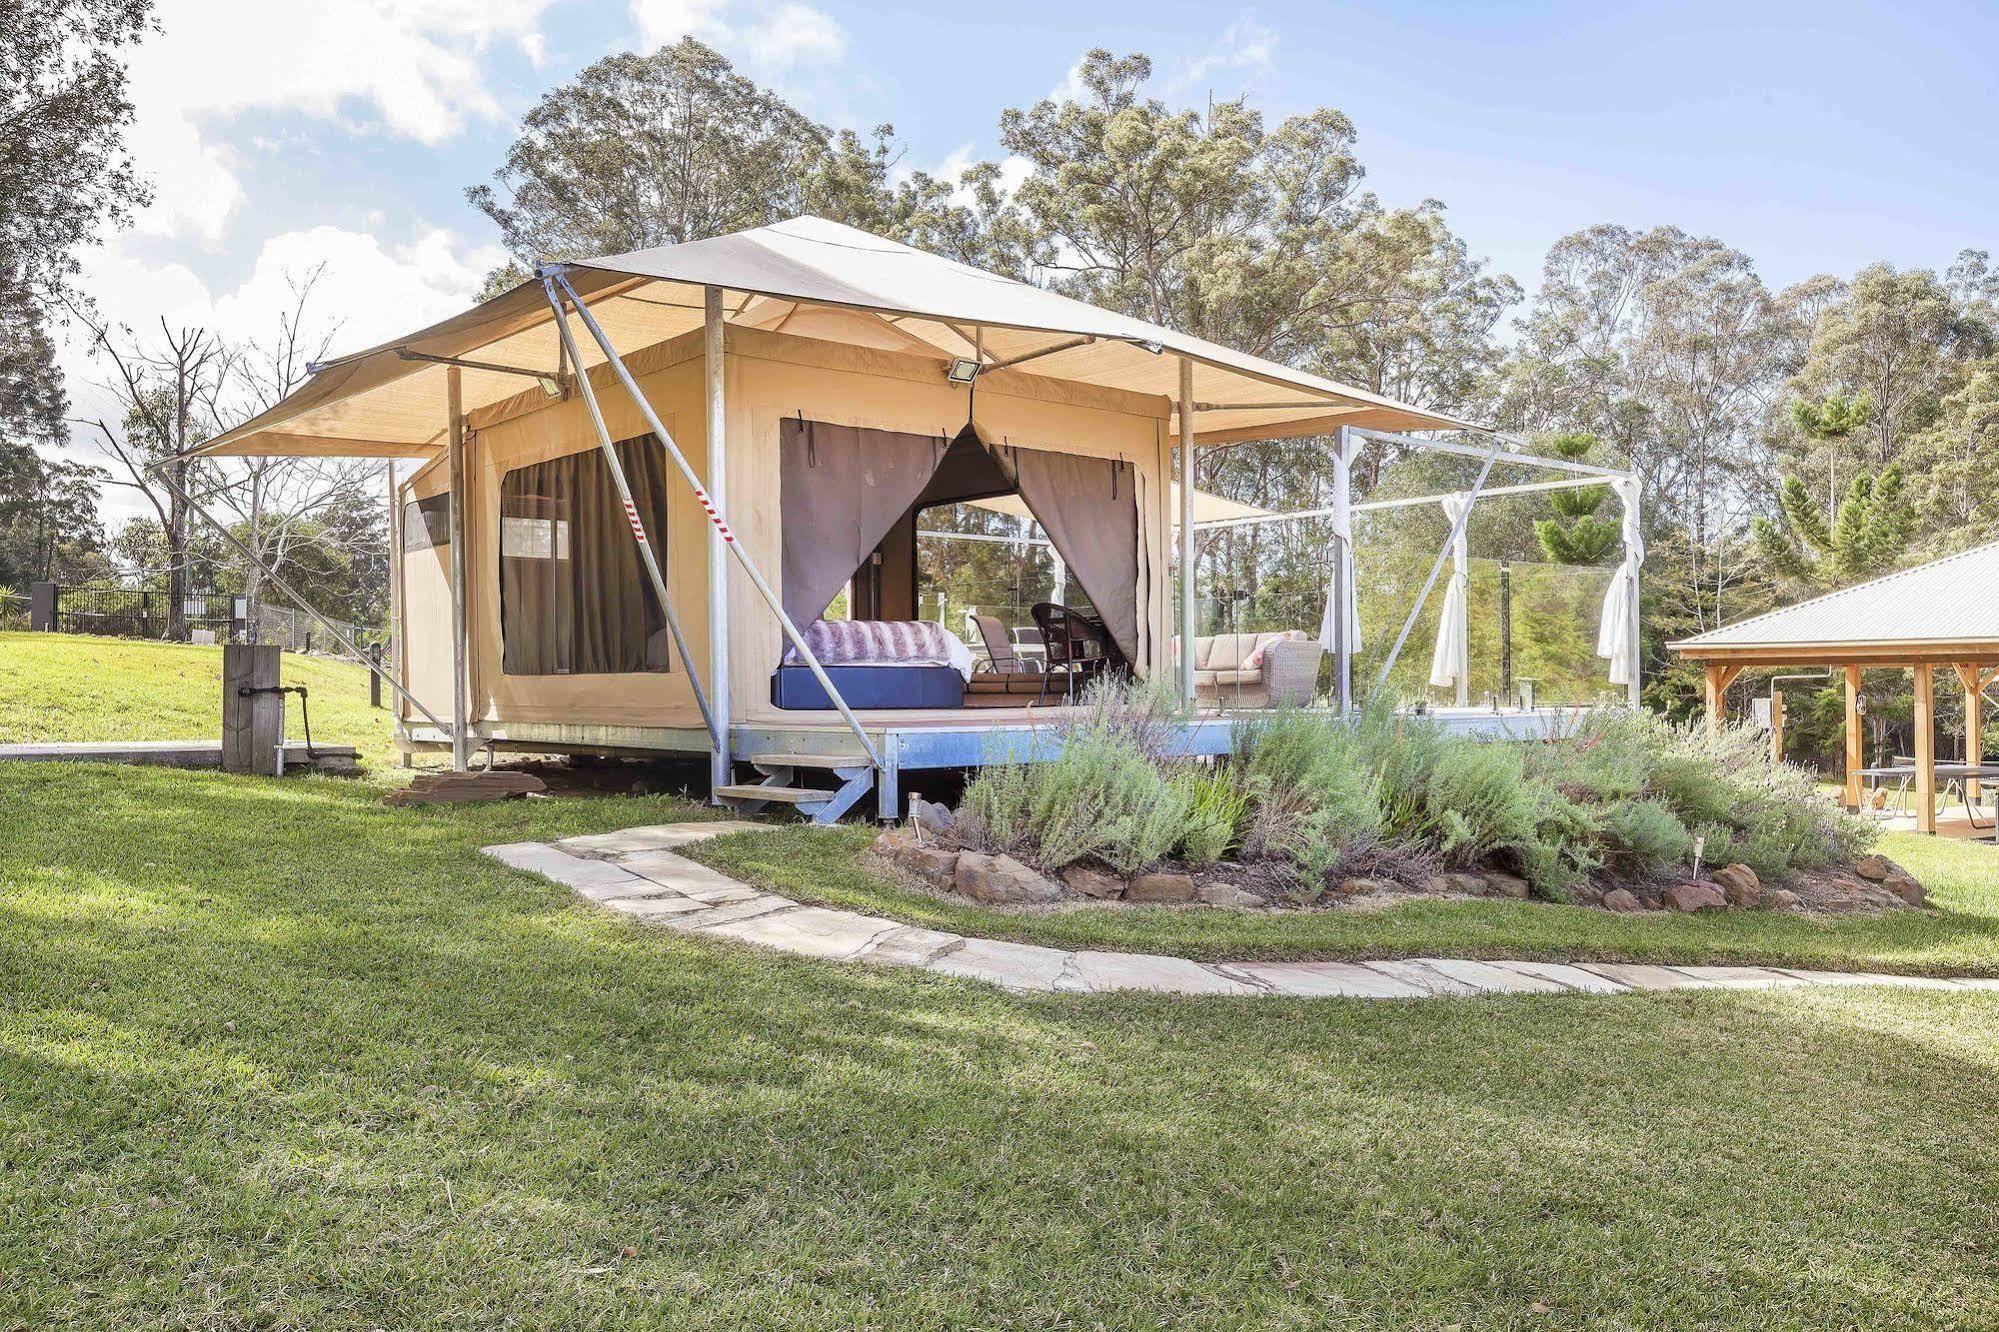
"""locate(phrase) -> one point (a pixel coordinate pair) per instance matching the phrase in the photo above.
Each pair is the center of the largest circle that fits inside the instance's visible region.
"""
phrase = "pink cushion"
(1254, 661)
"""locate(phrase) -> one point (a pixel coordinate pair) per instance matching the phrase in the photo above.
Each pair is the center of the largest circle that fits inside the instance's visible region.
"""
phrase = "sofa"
(1279, 669)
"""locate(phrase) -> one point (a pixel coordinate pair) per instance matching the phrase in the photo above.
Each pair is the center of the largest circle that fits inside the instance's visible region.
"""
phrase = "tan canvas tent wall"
(769, 378)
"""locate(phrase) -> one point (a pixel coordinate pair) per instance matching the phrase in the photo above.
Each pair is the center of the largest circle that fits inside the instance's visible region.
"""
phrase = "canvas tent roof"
(1932, 606)
(388, 401)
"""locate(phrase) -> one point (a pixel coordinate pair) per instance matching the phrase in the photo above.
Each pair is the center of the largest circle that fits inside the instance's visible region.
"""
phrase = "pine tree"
(1587, 538)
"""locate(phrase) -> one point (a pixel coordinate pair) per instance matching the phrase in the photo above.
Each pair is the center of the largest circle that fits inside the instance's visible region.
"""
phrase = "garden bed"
(1626, 813)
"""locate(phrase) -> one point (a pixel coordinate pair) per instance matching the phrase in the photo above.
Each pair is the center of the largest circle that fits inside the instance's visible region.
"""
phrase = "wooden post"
(1974, 680)
(461, 748)
(1854, 759)
(1776, 726)
(721, 770)
(1926, 747)
(253, 725)
(1717, 676)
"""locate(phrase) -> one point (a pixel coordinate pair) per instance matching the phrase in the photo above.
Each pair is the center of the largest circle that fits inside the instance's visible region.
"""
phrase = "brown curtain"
(1089, 508)
(575, 597)
(841, 489)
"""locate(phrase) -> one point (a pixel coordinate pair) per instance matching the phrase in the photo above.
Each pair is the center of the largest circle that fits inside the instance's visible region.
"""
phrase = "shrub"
(1107, 793)
(1315, 792)
(1647, 834)
(1313, 800)
(1216, 806)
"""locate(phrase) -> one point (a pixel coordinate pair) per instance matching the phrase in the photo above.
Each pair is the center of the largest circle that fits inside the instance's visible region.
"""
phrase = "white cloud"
(416, 70)
(1248, 49)
(769, 37)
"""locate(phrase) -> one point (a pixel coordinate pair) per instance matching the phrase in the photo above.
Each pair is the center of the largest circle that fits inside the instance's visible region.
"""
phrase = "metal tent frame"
(1500, 449)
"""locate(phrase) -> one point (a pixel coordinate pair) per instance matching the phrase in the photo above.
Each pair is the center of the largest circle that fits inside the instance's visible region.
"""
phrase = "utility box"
(253, 711)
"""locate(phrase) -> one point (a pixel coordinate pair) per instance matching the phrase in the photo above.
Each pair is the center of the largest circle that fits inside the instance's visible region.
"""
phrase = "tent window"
(427, 523)
(575, 598)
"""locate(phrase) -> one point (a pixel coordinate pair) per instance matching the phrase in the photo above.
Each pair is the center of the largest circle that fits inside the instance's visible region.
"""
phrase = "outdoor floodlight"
(550, 385)
(1153, 347)
(963, 371)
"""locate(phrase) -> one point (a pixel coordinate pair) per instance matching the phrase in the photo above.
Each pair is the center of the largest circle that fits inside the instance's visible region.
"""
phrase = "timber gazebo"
(1944, 614)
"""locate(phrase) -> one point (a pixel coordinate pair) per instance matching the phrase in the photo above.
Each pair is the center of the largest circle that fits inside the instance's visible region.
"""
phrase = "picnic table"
(1960, 774)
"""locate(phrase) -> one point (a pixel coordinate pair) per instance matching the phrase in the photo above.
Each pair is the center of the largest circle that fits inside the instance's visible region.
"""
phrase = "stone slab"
(1017, 966)
(1327, 980)
(688, 877)
(1147, 971)
(1491, 977)
(654, 908)
(1741, 978)
(728, 913)
(808, 931)
(652, 837)
(1870, 978)
(1572, 978)
(1644, 976)
(1425, 978)
(910, 946)
(594, 879)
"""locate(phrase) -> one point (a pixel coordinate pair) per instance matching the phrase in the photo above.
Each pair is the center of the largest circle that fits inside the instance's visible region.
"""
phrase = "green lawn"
(73, 687)
(1961, 935)
(273, 1055)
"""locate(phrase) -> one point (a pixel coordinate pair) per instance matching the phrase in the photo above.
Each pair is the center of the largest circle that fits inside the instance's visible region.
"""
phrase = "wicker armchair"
(1285, 672)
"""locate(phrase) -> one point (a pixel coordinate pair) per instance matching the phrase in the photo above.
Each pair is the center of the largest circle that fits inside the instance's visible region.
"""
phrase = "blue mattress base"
(793, 688)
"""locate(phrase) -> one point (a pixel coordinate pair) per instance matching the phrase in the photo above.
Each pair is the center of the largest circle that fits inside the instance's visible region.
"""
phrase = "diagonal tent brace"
(1436, 567)
(347, 645)
(554, 275)
(646, 553)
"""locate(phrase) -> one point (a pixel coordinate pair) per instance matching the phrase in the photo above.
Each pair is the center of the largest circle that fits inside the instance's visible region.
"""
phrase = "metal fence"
(130, 612)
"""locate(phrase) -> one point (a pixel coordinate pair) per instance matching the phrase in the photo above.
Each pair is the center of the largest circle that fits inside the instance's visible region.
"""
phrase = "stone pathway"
(636, 871)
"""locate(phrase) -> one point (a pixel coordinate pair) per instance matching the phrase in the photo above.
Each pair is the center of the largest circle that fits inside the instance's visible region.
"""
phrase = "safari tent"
(624, 523)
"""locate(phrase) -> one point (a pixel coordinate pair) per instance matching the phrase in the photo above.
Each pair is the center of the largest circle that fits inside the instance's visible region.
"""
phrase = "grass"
(275, 1056)
(71, 687)
(1961, 935)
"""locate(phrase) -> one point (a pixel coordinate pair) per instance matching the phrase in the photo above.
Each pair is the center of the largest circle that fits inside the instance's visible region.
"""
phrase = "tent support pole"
(1436, 567)
(646, 553)
(395, 654)
(721, 766)
(1343, 443)
(461, 749)
(1461, 575)
(1186, 412)
(347, 645)
(555, 274)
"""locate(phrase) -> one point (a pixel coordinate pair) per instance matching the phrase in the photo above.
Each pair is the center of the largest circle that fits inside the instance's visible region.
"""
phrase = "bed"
(876, 664)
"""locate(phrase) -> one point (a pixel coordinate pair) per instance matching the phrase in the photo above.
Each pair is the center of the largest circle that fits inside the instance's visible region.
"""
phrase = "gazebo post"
(1855, 759)
(1973, 680)
(1717, 676)
(1926, 749)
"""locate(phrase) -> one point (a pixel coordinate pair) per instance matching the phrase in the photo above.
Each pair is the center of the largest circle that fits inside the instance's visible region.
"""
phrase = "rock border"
(638, 873)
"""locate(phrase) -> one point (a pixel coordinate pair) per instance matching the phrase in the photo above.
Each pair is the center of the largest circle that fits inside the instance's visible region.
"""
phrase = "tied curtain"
(841, 488)
(1449, 660)
(1613, 638)
(575, 598)
(1089, 509)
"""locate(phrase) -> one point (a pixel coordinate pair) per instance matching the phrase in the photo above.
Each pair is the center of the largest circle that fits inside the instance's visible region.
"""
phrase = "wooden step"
(811, 760)
(784, 795)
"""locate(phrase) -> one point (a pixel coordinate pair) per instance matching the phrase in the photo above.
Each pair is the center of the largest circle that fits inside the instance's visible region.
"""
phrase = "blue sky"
(1816, 137)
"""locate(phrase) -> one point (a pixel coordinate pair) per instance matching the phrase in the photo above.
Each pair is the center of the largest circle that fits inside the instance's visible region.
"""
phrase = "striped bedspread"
(885, 643)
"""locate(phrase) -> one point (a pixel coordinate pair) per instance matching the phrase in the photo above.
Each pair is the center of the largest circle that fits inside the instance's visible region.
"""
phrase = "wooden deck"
(928, 739)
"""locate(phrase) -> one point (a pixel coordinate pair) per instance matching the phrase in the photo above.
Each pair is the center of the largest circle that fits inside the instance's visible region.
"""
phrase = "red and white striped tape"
(632, 515)
(714, 517)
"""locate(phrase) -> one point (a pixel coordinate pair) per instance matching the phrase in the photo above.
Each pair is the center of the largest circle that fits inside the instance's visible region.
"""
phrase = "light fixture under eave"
(1155, 348)
(550, 385)
(962, 371)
